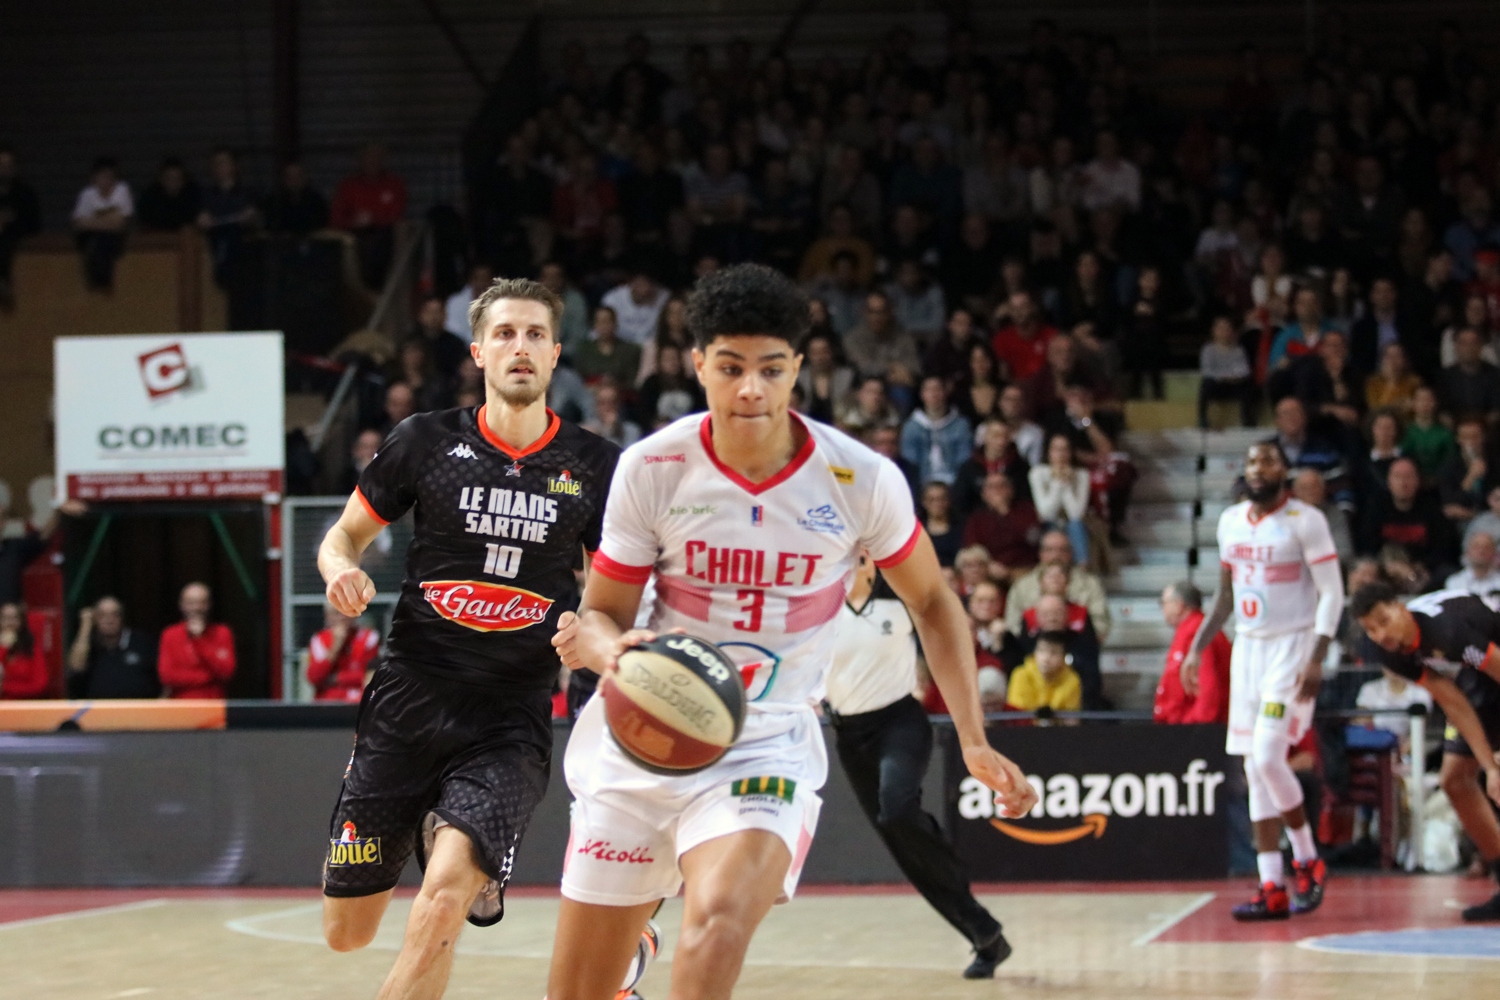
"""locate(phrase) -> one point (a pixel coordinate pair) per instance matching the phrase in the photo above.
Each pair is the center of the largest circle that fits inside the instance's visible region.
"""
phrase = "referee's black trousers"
(885, 754)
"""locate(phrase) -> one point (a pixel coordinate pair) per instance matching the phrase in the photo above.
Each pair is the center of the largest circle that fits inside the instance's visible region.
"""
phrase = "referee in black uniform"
(884, 743)
(454, 738)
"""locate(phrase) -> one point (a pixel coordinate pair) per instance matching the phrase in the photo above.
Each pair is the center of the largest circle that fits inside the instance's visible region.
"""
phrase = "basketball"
(676, 704)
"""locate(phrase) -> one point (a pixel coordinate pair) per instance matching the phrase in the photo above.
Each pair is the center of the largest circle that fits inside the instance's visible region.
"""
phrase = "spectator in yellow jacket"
(1045, 679)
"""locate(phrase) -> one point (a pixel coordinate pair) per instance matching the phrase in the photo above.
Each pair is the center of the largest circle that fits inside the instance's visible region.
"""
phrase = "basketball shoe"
(1307, 885)
(1269, 903)
(1483, 912)
(645, 954)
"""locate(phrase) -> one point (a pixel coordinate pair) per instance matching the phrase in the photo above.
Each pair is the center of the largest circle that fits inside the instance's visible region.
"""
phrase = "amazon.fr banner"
(1117, 802)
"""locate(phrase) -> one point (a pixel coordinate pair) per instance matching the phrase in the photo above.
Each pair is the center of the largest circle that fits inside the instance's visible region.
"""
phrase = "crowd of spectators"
(366, 206)
(1000, 249)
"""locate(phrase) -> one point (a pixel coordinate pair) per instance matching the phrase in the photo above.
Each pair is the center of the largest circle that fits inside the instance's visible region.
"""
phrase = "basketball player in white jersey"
(752, 520)
(1279, 573)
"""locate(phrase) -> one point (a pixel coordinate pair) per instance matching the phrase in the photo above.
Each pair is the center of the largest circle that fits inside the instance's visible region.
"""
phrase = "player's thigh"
(593, 948)
(730, 883)
(350, 922)
(453, 866)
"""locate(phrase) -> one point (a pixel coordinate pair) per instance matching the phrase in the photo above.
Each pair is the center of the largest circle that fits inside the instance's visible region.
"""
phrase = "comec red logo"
(486, 607)
(165, 371)
(603, 850)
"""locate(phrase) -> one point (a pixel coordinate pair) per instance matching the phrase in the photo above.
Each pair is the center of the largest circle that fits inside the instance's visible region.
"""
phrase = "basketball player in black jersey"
(454, 737)
(1449, 642)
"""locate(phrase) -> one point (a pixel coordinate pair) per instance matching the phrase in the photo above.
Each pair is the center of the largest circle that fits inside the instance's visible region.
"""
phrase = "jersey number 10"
(502, 560)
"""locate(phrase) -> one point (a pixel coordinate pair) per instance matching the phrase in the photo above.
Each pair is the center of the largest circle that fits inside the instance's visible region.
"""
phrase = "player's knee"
(720, 929)
(444, 905)
(345, 933)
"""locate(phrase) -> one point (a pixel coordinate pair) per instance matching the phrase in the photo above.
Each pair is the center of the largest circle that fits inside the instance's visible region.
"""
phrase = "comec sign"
(1114, 802)
(169, 417)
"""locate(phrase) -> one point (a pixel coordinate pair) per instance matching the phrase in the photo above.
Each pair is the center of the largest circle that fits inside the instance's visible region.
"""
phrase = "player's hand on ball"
(1001, 775)
(1188, 672)
(351, 591)
(634, 637)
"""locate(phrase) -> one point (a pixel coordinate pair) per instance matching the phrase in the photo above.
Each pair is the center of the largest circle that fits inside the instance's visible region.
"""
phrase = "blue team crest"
(822, 519)
(757, 665)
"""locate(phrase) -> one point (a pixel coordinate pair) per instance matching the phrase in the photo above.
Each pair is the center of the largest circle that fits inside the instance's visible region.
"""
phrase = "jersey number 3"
(754, 603)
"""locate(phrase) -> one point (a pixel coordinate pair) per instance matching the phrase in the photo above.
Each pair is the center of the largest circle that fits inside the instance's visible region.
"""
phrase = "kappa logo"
(822, 519)
(462, 451)
(352, 849)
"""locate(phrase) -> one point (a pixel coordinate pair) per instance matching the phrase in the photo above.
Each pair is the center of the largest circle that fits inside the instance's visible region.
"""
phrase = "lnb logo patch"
(166, 371)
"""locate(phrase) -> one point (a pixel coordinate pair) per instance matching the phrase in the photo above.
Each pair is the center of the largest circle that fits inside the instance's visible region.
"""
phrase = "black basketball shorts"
(1489, 720)
(429, 753)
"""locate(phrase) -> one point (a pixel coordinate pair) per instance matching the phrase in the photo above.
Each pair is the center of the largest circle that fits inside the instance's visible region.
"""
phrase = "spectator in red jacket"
(1023, 344)
(369, 203)
(195, 657)
(340, 657)
(1007, 528)
(23, 668)
(1182, 608)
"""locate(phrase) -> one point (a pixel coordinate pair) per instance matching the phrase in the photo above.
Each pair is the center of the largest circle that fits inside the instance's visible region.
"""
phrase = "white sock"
(1304, 848)
(1270, 866)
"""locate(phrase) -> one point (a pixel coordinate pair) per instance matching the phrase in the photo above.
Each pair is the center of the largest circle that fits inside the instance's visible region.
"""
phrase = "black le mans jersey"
(497, 533)
(1455, 632)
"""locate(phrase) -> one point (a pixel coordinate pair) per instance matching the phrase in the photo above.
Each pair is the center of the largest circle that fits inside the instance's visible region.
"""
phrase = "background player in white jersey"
(752, 521)
(1279, 573)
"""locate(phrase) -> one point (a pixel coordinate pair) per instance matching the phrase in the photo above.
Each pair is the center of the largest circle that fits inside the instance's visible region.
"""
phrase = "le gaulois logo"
(486, 607)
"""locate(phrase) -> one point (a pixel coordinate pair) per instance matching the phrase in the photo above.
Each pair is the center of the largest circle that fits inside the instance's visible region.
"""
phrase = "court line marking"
(1174, 918)
(1316, 944)
(96, 911)
(246, 925)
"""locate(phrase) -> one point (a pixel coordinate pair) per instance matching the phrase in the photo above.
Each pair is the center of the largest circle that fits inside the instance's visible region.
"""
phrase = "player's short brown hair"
(515, 288)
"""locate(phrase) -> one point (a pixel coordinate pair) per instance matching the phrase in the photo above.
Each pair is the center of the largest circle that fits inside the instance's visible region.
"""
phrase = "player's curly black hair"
(747, 299)
(1367, 597)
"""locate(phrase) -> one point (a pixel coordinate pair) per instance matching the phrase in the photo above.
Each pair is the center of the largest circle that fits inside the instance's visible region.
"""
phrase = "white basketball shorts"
(1263, 680)
(631, 826)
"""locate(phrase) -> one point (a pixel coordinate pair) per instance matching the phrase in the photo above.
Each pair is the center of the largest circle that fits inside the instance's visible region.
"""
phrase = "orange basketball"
(676, 704)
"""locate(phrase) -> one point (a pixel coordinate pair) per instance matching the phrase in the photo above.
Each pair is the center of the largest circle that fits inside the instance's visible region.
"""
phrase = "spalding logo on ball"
(676, 704)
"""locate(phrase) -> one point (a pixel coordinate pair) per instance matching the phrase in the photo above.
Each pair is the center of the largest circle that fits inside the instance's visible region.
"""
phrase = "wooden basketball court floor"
(1375, 936)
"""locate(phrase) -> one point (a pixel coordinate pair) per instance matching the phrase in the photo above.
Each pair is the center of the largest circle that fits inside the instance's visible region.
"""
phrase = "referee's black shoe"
(987, 956)
(1486, 911)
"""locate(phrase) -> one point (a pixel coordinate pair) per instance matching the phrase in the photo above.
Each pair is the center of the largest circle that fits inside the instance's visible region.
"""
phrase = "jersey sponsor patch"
(824, 519)
(1273, 710)
(486, 607)
(776, 788)
(352, 849)
(845, 477)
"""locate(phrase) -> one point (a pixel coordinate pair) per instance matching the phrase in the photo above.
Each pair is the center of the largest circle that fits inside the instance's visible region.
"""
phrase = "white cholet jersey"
(1270, 558)
(759, 569)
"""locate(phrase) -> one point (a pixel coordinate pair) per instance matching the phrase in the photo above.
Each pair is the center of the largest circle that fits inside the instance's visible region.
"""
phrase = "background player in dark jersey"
(1449, 642)
(454, 738)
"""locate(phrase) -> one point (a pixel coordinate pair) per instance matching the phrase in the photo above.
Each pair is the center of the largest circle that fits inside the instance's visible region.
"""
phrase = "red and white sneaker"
(1307, 885)
(1269, 903)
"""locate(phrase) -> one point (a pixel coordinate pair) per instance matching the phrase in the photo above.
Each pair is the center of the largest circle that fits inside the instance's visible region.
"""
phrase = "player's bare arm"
(943, 627)
(1328, 579)
(601, 631)
(350, 588)
(1213, 623)
(1461, 714)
